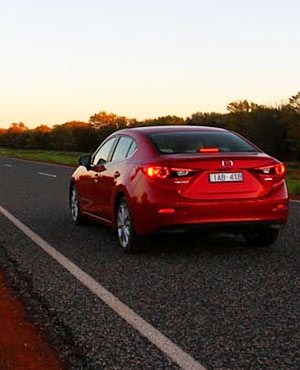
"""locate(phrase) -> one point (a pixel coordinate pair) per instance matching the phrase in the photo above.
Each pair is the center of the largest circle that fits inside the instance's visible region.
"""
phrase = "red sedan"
(142, 180)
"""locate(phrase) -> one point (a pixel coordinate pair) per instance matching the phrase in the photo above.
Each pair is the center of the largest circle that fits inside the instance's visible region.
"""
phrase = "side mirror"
(85, 161)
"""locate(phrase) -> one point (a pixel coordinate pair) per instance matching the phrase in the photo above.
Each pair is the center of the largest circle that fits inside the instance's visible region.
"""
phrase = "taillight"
(160, 172)
(278, 169)
(182, 172)
(157, 172)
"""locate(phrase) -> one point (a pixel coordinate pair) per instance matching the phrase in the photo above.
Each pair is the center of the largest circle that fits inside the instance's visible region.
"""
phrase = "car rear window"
(193, 142)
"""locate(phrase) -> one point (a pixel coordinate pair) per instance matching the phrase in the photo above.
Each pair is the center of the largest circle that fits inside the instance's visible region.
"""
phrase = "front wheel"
(127, 237)
(262, 237)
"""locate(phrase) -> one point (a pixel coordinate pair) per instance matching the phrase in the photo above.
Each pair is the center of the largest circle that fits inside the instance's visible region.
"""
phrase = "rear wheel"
(75, 207)
(262, 237)
(127, 237)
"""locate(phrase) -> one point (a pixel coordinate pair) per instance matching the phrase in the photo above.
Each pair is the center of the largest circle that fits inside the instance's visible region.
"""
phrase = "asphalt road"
(227, 305)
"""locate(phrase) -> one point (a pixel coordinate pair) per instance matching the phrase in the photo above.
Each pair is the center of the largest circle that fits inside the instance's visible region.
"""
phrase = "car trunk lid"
(221, 175)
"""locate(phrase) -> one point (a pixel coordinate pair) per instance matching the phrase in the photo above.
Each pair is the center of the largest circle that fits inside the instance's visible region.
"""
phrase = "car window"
(104, 151)
(193, 142)
(122, 148)
(132, 149)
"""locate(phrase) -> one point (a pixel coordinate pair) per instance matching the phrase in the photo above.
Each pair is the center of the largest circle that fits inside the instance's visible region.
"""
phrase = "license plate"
(226, 177)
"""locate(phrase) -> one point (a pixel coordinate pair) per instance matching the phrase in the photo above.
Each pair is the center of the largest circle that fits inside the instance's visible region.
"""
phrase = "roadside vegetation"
(293, 178)
(294, 187)
(69, 158)
(275, 129)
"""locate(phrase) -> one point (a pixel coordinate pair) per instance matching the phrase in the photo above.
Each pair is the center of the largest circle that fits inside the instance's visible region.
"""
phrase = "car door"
(111, 176)
(96, 173)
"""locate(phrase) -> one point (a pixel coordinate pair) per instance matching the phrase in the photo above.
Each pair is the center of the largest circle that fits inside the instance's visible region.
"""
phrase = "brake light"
(278, 169)
(161, 172)
(209, 150)
(158, 172)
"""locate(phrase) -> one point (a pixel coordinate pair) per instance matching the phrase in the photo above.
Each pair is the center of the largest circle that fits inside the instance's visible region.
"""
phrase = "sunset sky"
(64, 60)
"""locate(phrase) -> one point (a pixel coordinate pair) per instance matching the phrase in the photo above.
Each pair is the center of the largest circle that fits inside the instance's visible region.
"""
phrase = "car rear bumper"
(229, 214)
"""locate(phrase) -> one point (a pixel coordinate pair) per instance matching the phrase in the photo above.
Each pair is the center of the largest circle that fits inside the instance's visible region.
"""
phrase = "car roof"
(165, 129)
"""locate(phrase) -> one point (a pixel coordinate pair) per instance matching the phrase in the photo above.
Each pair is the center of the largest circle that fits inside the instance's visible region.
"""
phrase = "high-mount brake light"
(209, 150)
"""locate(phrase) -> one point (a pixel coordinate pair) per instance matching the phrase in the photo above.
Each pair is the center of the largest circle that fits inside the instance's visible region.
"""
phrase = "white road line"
(46, 174)
(295, 201)
(7, 165)
(183, 359)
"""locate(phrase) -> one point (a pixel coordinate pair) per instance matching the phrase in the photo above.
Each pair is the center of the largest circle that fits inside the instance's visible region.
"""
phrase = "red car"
(142, 180)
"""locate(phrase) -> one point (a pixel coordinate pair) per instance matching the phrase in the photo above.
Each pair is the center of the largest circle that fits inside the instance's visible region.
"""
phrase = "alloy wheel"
(124, 225)
(74, 205)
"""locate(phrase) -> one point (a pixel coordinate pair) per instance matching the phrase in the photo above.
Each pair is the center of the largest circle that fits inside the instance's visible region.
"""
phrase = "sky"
(64, 60)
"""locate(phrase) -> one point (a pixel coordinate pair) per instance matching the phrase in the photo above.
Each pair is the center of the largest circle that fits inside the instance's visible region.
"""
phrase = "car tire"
(262, 237)
(128, 240)
(76, 215)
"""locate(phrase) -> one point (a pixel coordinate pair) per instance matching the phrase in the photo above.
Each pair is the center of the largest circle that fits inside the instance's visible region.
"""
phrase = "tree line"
(275, 129)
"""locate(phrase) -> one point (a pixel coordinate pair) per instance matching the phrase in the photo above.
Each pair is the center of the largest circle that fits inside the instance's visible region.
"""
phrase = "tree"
(39, 138)
(169, 120)
(16, 135)
(268, 130)
(291, 118)
(295, 102)
(42, 128)
(238, 106)
(102, 119)
(84, 135)
(208, 119)
(18, 128)
(61, 138)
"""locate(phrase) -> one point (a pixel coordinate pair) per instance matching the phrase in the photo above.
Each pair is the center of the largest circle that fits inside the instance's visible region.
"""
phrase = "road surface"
(211, 301)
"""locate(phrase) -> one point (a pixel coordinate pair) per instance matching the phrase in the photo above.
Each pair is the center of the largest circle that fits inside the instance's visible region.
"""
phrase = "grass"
(293, 166)
(43, 155)
(71, 158)
(293, 186)
(293, 178)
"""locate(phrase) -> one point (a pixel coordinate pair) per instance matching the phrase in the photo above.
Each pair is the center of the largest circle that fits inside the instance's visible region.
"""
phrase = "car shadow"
(183, 244)
(186, 243)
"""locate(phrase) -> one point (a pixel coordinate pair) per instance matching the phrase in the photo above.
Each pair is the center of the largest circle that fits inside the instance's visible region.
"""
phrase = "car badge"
(227, 163)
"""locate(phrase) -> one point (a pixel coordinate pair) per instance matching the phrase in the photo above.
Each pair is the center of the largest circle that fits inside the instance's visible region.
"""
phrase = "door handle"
(117, 174)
